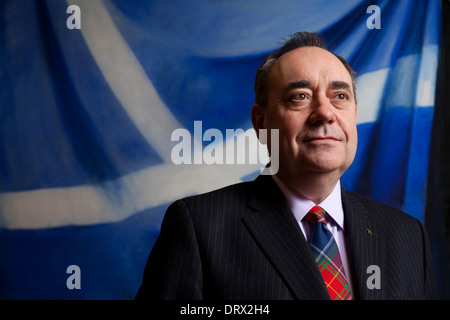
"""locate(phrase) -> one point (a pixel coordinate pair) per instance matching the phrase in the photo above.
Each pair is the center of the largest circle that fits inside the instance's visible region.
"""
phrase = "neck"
(315, 187)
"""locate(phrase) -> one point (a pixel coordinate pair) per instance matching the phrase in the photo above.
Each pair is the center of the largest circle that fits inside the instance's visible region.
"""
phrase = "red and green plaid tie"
(326, 254)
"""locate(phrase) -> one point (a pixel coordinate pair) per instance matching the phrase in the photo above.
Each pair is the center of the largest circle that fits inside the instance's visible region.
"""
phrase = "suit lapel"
(274, 228)
(367, 247)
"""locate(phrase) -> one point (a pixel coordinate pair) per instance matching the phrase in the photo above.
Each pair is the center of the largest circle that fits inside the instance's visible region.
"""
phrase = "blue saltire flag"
(87, 116)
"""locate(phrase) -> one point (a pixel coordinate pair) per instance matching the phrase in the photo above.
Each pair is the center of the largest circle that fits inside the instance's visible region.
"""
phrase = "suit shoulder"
(234, 193)
(381, 211)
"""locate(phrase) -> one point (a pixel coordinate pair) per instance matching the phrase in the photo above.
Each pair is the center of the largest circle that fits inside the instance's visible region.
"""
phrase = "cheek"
(352, 143)
(353, 130)
(288, 123)
(290, 132)
(347, 122)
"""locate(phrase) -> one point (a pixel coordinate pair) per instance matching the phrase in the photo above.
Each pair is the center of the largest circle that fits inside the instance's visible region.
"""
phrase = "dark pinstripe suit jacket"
(243, 242)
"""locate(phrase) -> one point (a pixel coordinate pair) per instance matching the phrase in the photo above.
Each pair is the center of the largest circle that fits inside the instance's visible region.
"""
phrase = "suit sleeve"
(173, 270)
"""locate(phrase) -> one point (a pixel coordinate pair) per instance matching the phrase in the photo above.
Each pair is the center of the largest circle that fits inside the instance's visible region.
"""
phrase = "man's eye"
(299, 96)
(341, 96)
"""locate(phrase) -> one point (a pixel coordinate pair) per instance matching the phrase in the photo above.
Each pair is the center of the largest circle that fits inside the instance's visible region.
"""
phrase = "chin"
(324, 162)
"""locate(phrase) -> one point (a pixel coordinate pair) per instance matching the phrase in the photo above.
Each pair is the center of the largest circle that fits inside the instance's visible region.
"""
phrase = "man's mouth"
(321, 139)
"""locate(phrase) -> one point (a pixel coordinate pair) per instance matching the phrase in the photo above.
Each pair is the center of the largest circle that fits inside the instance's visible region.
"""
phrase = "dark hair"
(295, 41)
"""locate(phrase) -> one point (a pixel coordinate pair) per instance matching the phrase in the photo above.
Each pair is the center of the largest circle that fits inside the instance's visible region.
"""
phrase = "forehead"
(308, 63)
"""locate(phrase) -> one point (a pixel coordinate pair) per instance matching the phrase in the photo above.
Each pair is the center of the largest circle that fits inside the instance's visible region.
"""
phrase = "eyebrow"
(307, 84)
(299, 84)
(339, 85)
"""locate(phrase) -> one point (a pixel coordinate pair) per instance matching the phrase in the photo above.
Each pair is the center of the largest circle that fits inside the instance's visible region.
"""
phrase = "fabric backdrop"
(86, 118)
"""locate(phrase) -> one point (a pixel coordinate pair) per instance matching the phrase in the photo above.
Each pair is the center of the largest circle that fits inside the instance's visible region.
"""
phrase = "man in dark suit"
(256, 240)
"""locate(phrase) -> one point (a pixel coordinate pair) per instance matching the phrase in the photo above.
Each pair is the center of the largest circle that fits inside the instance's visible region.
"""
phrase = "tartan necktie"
(326, 254)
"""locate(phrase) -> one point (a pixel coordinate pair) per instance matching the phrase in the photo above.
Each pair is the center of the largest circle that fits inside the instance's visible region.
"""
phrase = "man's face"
(311, 102)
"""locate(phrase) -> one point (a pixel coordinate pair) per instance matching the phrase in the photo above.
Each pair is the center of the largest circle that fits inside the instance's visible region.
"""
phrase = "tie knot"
(316, 214)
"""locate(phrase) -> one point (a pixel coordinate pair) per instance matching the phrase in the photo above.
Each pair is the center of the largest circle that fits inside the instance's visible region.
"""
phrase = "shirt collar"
(301, 205)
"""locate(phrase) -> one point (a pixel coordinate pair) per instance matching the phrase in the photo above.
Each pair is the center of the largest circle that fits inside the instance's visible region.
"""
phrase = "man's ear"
(257, 116)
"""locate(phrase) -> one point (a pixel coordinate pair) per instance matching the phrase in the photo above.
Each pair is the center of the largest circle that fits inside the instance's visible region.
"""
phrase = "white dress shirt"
(301, 205)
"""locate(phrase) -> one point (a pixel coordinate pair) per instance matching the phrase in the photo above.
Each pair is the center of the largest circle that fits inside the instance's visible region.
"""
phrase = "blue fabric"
(85, 181)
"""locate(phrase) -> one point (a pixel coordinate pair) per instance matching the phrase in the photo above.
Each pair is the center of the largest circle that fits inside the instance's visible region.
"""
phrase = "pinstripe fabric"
(397, 243)
(242, 242)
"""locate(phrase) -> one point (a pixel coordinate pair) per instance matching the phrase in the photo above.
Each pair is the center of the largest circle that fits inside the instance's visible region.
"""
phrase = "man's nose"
(322, 111)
